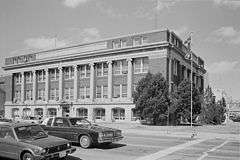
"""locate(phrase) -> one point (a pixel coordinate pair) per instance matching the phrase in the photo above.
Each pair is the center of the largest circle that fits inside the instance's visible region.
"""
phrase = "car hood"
(47, 142)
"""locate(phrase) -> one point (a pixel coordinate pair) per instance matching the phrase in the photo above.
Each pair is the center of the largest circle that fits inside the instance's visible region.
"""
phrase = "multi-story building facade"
(96, 80)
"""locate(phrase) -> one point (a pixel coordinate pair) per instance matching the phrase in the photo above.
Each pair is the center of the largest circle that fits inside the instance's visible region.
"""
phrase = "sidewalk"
(229, 131)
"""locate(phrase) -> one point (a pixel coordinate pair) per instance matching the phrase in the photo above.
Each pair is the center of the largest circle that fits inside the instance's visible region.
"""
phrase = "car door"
(9, 146)
(61, 128)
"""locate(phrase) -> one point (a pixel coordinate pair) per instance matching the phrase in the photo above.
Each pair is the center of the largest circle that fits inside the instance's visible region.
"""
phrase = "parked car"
(81, 131)
(26, 141)
(28, 119)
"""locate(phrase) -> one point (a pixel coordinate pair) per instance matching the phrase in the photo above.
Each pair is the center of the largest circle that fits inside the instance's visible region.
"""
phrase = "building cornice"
(88, 55)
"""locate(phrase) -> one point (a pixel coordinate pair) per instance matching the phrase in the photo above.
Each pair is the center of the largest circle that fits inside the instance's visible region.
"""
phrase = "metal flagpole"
(191, 87)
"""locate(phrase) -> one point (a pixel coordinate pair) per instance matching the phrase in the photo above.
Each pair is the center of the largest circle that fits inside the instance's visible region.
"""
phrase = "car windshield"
(30, 132)
(79, 121)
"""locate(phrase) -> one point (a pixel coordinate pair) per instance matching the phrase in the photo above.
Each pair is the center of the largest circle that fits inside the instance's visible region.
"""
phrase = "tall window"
(105, 91)
(68, 93)
(124, 90)
(99, 92)
(84, 92)
(141, 65)
(54, 74)
(116, 91)
(29, 77)
(41, 94)
(175, 67)
(41, 76)
(123, 43)
(18, 78)
(68, 73)
(28, 94)
(101, 69)
(84, 71)
(116, 67)
(54, 94)
(120, 67)
(17, 96)
(87, 92)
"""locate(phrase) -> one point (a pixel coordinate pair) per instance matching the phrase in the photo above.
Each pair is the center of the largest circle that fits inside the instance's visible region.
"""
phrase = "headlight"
(108, 134)
(68, 145)
(40, 151)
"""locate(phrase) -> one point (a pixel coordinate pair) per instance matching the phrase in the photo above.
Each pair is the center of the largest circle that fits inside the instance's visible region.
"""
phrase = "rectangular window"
(68, 93)
(28, 94)
(82, 93)
(82, 71)
(99, 92)
(124, 90)
(144, 40)
(116, 91)
(137, 65)
(141, 65)
(18, 78)
(88, 92)
(116, 44)
(41, 76)
(105, 91)
(54, 74)
(116, 67)
(41, 94)
(99, 69)
(68, 73)
(124, 67)
(28, 77)
(124, 43)
(105, 69)
(87, 70)
(17, 96)
(137, 41)
(52, 94)
(145, 65)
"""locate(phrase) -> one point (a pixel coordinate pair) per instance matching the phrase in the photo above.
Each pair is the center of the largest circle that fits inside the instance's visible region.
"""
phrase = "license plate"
(62, 154)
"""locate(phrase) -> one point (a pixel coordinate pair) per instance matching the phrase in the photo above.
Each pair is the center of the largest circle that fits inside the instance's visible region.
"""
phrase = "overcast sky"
(27, 25)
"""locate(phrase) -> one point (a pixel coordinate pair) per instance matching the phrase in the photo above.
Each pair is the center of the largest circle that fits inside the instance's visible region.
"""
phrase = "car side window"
(61, 122)
(6, 133)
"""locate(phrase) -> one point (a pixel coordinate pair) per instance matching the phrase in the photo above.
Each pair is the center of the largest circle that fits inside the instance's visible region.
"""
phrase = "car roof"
(16, 124)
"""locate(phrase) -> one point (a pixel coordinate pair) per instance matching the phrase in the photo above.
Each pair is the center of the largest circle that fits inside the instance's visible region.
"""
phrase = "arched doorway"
(118, 113)
(82, 113)
(99, 114)
(52, 112)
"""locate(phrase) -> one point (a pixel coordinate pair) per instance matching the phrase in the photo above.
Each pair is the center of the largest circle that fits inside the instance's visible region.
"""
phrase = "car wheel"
(27, 156)
(85, 141)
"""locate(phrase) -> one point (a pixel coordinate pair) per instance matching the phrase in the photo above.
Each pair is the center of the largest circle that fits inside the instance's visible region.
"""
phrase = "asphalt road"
(146, 147)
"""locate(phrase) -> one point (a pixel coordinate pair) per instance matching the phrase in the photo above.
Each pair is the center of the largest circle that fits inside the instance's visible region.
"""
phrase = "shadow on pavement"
(102, 146)
(110, 146)
(72, 158)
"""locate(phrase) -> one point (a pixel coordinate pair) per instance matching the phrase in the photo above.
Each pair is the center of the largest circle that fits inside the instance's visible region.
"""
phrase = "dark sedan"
(81, 131)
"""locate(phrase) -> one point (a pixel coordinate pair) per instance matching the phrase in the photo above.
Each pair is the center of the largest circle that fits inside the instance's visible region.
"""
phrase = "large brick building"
(95, 80)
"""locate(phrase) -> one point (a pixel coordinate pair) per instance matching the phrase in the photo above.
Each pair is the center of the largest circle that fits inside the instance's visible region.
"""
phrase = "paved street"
(144, 147)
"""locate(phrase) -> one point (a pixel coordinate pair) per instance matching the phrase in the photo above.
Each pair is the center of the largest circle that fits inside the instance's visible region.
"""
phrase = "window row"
(121, 43)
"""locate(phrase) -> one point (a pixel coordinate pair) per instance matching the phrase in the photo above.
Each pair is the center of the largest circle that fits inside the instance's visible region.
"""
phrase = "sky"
(33, 25)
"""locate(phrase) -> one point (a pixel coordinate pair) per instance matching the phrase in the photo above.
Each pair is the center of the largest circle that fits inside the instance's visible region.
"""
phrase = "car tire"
(27, 156)
(85, 141)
